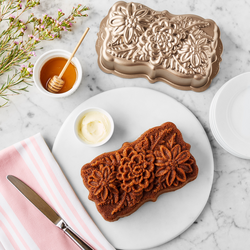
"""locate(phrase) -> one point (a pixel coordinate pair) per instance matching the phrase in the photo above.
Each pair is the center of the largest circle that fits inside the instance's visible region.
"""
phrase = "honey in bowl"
(54, 67)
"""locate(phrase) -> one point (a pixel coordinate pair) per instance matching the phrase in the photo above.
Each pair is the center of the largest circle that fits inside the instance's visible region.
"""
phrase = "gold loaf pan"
(183, 51)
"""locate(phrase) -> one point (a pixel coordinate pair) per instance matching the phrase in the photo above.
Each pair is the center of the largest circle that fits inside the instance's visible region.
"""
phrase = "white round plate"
(134, 111)
(232, 115)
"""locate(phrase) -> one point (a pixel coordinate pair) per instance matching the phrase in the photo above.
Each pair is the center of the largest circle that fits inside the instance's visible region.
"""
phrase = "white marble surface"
(224, 224)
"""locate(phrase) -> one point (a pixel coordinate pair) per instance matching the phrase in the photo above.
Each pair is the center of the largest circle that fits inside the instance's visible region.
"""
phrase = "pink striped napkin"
(22, 225)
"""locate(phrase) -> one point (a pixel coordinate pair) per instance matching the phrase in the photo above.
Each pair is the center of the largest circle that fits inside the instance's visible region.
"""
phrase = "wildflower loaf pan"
(181, 50)
(159, 161)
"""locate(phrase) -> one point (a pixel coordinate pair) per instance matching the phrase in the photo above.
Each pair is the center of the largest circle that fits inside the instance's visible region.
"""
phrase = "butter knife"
(40, 204)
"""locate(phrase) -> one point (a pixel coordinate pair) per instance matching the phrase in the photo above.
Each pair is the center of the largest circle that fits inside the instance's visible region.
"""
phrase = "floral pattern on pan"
(158, 161)
(182, 50)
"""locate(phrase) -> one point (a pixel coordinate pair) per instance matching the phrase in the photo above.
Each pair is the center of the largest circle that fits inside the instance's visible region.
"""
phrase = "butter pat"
(94, 127)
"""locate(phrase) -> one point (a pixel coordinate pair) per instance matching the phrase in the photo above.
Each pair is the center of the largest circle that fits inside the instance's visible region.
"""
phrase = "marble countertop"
(224, 223)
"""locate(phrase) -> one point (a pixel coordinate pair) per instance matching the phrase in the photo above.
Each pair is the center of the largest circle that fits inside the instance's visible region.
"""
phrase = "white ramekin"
(47, 56)
(78, 120)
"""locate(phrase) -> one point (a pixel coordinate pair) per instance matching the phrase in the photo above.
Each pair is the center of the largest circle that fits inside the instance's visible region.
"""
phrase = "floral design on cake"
(120, 181)
(103, 183)
(173, 165)
(186, 46)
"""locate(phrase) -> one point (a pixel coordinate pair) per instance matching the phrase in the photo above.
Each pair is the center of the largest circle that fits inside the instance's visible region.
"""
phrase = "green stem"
(6, 32)
(15, 59)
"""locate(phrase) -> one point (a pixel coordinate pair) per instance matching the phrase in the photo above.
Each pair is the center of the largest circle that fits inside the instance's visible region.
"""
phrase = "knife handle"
(77, 239)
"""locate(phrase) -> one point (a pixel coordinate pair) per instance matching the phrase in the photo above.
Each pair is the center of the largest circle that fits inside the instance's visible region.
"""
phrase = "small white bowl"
(79, 118)
(47, 56)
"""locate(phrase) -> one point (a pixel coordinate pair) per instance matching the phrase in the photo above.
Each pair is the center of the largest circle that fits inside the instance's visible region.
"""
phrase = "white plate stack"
(229, 116)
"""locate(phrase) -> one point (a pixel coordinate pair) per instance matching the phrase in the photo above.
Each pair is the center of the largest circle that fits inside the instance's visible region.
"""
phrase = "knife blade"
(49, 212)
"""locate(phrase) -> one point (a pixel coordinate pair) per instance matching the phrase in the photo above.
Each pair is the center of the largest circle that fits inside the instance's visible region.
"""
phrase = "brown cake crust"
(159, 161)
(182, 50)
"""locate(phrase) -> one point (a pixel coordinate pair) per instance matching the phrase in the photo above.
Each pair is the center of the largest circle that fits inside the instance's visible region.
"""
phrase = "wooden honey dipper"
(56, 82)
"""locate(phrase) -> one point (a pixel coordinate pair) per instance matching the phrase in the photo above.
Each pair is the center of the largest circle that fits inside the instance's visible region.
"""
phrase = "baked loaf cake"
(181, 50)
(159, 161)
